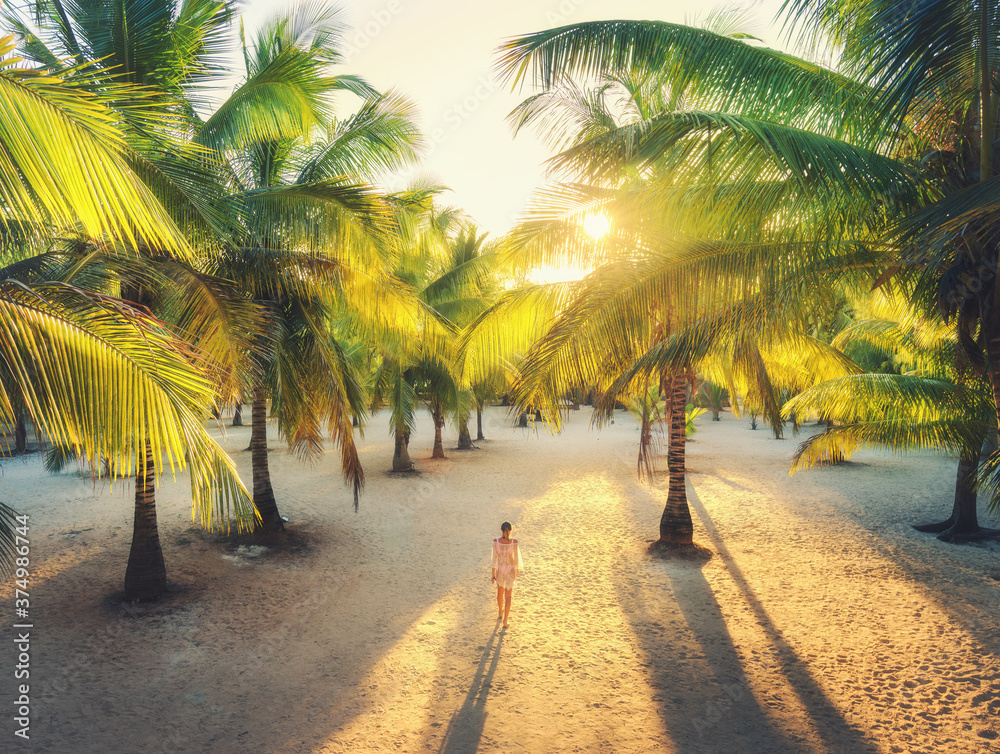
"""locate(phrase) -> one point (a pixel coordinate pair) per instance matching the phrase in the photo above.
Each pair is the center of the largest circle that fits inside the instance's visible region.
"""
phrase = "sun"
(596, 226)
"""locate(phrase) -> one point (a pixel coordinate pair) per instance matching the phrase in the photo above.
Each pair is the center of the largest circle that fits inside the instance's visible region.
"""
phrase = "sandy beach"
(823, 623)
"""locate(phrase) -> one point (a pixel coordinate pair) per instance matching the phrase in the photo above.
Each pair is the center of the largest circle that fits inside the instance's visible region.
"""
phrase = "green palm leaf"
(63, 160)
(713, 71)
(79, 359)
(379, 138)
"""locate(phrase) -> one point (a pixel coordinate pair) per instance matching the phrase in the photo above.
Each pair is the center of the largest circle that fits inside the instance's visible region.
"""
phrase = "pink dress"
(506, 563)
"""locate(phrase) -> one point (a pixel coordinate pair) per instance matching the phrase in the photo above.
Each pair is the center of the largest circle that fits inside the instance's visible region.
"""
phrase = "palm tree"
(712, 397)
(463, 289)
(159, 55)
(444, 262)
(937, 402)
(110, 382)
(927, 83)
(935, 70)
(47, 113)
(312, 240)
(651, 310)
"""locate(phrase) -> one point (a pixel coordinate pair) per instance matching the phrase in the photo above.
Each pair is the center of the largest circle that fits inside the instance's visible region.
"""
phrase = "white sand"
(823, 623)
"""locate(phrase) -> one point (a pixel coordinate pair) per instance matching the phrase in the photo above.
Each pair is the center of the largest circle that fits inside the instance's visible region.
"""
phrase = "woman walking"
(506, 566)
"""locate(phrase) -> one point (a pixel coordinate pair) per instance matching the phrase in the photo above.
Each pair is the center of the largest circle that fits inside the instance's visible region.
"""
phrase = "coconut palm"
(712, 397)
(927, 83)
(45, 191)
(113, 383)
(312, 240)
(937, 402)
(935, 68)
(652, 309)
(443, 260)
(462, 290)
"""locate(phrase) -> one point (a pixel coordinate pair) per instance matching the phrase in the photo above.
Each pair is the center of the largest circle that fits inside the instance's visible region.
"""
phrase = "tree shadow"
(930, 564)
(702, 712)
(834, 730)
(465, 729)
(720, 475)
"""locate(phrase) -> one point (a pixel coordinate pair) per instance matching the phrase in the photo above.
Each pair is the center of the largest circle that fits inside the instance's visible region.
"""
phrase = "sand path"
(823, 623)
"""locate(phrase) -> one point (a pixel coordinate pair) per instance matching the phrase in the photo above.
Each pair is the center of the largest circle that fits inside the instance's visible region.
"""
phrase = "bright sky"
(441, 53)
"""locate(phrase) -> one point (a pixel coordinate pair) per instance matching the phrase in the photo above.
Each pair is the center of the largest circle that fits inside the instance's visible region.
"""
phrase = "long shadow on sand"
(718, 712)
(943, 579)
(836, 733)
(702, 713)
(465, 729)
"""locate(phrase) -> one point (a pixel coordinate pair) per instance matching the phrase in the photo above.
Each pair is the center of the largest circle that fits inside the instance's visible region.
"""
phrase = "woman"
(506, 566)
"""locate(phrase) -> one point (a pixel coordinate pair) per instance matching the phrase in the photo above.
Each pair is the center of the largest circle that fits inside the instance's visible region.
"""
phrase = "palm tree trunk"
(676, 526)
(644, 464)
(438, 414)
(464, 436)
(263, 494)
(20, 434)
(238, 415)
(963, 523)
(145, 574)
(479, 423)
(523, 421)
(401, 454)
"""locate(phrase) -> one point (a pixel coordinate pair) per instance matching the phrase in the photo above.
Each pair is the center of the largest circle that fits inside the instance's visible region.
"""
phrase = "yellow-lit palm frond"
(103, 379)
(64, 161)
(501, 335)
(839, 443)
(335, 217)
(862, 398)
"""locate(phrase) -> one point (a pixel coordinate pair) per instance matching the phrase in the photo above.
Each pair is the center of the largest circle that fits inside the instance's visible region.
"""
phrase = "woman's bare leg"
(500, 591)
(506, 612)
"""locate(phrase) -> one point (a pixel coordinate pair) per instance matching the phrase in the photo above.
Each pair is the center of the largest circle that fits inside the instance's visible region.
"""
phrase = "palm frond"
(714, 71)
(839, 443)
(381, 137)
(64, 160)
(103, 379)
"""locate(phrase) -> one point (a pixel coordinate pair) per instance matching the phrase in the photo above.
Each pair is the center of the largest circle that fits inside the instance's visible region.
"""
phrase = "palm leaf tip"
(8, 538)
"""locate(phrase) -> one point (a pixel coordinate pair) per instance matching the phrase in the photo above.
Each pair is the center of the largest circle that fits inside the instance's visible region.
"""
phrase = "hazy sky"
(441, 53)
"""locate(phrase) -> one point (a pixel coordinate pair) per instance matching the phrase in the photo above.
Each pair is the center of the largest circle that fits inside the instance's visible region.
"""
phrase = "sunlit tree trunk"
(401, 454)
(464, 436)
(263, 494)
(145, 574)
(438, 414)
(676, 526)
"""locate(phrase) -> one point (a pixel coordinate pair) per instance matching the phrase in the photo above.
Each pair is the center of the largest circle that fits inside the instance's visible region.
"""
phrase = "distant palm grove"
(794, 241)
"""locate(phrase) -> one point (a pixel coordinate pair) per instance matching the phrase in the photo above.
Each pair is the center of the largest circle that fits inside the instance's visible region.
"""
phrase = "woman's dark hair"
(505, 526)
